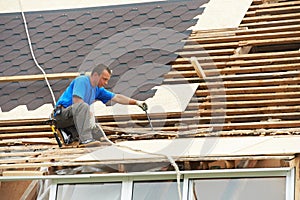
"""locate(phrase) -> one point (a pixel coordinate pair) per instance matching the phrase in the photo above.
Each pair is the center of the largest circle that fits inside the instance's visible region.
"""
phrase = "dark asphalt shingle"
(123, 37)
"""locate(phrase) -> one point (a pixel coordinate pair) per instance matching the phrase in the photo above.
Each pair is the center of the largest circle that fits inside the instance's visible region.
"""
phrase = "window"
(233, 184)
(103, 191)
(158, 190)
(238, 189)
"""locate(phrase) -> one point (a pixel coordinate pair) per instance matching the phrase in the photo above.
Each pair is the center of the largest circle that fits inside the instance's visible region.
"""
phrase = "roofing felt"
(122, 37)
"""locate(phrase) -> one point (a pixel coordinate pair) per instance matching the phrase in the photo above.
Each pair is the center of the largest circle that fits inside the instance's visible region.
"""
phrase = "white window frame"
(128, 179)
(288, 173)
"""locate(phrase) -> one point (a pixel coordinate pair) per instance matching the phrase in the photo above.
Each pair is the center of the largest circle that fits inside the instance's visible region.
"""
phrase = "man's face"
(104, 78)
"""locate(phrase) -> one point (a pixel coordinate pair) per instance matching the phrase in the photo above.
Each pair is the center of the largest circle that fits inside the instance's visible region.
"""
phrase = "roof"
(250, 89)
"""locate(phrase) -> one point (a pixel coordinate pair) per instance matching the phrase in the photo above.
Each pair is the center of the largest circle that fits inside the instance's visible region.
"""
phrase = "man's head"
(100, 75)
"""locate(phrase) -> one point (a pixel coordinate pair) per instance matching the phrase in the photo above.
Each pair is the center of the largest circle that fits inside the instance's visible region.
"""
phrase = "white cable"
(32, 53)
(173, 163)
(41, 193)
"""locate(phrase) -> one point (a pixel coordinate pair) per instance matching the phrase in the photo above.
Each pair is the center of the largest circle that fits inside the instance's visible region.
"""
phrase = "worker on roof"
(72, 112)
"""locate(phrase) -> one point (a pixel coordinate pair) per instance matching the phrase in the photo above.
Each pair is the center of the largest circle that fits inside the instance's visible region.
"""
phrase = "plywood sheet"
(168, 98)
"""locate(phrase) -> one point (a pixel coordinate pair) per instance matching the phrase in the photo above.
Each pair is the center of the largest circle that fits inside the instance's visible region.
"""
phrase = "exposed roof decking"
(248, 91)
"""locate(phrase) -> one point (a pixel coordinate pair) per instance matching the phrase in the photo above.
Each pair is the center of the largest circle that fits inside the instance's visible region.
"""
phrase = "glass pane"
(103, 191)
(238, 189)
(155, 190)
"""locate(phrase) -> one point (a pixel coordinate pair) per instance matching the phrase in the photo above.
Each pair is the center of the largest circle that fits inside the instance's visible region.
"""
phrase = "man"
(73, 107)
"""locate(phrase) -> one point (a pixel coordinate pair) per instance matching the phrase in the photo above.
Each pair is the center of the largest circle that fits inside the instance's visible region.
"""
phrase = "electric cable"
(171, 160)
(32, 53)
(42, 190)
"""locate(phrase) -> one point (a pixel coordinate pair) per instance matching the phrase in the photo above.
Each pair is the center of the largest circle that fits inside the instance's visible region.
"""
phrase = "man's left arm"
(121, 99)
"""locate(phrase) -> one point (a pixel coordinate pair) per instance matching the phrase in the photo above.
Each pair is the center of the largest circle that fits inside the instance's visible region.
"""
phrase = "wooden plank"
(39, 77)
(271, 17)
(259, 62)
(230, 126)
(178, 68)
(26, 135)
(18, 129)
(269, 34)
(270, 41)
(275, 5)
(53, 158)
(242, 97)
(203, 52)
(295, 163)
(246, 104)
(249, 125)
(271, 24)
(20, 141)
(40, 151)
(246, 111)
(253, 83)
(23, 173)
(281, 28)
(214, 33)
(31, 192)
(243, 43)
(257, 69)
(33, 147)
(115, 126)
(248, 57)
(251, 90)
(275, 68)
(223, 45)
(274, 11)
(21, 122)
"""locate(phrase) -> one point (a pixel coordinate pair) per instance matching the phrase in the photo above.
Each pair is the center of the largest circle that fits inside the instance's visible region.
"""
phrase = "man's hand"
(142, 105)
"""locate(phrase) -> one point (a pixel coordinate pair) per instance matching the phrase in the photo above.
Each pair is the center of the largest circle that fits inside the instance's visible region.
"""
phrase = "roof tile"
(132, 14)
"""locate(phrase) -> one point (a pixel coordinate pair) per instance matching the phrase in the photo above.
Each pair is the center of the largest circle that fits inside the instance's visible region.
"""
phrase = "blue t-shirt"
(81, 87)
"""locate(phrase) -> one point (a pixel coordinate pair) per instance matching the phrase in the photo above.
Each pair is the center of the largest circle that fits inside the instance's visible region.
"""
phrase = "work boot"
(90, 143)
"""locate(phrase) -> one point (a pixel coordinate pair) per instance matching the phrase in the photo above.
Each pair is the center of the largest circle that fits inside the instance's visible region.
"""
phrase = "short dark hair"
(99, 69)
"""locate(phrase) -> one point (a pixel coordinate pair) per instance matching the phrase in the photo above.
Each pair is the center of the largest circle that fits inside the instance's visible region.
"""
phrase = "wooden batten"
(296, 164)
(23, 173)
(38, 77)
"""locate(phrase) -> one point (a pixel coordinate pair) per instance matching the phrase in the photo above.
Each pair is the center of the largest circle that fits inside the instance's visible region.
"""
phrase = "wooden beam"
(198, 68)
(271, 18)
(26, 135)
(242, 97)
(275, 5)
(246, 111)
(31, 192)
(293, 8)
(296, 164)
(39, 77)
(269, 34)
(18, 129)
(23, 173)
(271, 24)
